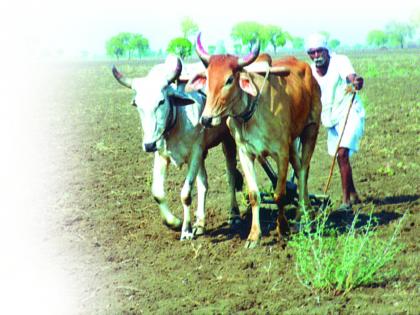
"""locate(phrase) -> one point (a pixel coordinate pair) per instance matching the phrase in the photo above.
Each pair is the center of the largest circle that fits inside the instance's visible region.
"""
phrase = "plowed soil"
(107, 227)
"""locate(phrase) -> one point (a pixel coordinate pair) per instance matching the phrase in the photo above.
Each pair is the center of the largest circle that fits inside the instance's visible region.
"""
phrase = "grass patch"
(338, 262)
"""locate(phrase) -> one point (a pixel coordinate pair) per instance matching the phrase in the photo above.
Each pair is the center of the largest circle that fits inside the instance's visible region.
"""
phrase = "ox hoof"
(186, 236)
(174, 224)
(198, 230)
(252, 244)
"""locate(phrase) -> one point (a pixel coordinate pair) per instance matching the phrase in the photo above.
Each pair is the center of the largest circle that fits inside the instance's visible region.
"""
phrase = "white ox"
(170, 123)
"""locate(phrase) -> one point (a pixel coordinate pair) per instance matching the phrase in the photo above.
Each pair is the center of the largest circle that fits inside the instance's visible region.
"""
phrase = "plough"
(318, 201)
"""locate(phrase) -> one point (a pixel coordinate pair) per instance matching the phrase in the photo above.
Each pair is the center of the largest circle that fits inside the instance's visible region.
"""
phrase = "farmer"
(335, 74)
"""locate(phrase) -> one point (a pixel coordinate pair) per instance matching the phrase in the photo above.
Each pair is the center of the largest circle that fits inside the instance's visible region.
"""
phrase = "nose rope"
(251, 108)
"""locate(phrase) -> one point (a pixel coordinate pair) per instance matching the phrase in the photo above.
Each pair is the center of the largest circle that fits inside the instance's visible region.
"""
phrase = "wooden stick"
(327, 185)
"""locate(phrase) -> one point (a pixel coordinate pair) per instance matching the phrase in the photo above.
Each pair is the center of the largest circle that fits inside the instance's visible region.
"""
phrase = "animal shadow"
(392, 200)
(341, 221)
(268, 223)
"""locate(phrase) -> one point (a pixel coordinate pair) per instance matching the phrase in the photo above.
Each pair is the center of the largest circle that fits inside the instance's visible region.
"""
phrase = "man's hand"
(356, 81)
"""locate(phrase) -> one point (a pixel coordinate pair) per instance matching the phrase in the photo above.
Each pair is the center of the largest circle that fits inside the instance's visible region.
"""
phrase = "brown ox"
(264, 118)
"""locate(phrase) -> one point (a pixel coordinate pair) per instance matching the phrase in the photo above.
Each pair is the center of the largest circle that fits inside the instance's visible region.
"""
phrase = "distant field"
(105, 214)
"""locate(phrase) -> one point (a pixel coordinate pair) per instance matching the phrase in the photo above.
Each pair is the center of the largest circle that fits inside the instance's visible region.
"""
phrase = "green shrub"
(329, 261)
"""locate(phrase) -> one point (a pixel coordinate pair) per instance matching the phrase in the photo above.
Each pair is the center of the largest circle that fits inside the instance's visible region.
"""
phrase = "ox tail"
(239, 180)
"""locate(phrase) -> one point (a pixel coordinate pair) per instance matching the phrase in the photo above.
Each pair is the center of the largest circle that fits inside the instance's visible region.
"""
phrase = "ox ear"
(196, 83)
(246, 84)
(281, 71)
(179, 98)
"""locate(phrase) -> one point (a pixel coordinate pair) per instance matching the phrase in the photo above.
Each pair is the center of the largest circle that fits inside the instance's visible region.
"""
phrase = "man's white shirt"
(335, 100)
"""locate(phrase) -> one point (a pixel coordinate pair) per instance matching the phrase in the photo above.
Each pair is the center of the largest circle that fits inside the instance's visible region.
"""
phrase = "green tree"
(297, 42)
(399, 32)
(180, 46)
(125, 39)
(377, 38)
(188, 27)
(114, 48)
(276, 37)
(118, 45)
(334, 43)
(139, 43)
(247, 33)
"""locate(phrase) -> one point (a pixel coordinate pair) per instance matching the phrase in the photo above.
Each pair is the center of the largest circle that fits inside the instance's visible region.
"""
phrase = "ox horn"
(120, 78)
(176, 72)
(248, 59)
(202, 54)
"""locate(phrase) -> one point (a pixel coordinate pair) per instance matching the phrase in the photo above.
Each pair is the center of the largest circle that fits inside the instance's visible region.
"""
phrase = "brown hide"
(295, 91)
(288, 107)
(302, 88)
(220, 69)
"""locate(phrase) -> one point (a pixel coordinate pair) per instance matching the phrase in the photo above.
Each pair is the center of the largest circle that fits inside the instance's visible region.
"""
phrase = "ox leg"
(295, 159)
(234, 179)
(280, 195)
(296, 163)
(308, 137)
(202, 186)
(160, 167)
(193, 166)
(247, 163)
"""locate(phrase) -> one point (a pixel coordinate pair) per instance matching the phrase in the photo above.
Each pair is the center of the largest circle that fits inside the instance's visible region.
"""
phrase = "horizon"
(71, 29)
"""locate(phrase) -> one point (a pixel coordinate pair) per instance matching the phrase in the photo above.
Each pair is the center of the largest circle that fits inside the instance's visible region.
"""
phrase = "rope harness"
(251, 108)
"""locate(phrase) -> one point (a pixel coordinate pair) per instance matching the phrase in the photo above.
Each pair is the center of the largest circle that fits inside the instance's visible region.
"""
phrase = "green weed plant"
(329, 261)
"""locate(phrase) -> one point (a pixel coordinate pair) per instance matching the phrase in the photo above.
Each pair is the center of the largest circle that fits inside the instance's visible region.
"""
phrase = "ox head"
(227, 79)
(154, 99)
(223, 81)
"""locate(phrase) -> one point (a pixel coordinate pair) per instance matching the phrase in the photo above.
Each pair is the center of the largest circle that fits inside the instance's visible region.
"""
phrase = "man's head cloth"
(316, 41)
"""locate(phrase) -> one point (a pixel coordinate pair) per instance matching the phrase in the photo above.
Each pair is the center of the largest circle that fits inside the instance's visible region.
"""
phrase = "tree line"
(244, 34)
(127, 44)
(395, 34)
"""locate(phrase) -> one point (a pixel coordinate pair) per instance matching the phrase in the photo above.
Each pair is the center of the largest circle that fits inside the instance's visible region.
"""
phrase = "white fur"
(183, 145)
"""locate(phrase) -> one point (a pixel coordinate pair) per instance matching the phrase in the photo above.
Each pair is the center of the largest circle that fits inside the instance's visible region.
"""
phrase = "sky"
(76, 26)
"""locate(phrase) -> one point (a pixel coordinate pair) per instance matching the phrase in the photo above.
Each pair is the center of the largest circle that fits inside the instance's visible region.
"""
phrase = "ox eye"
(229, 80)
(161, 102)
